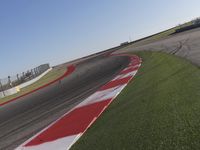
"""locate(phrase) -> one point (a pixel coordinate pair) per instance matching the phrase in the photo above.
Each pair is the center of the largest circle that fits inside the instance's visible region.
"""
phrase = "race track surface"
(21, 119)
(185, 44)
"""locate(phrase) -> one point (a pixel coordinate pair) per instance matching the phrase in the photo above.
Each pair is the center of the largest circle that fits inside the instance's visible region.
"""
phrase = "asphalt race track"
(24, 117)
(21, 119)
(185, 44)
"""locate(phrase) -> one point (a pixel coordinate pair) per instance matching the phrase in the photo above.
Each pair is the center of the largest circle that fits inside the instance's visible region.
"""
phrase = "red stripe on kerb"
(129, 70)
(70, 69)
(73, 123)
(115, 83)
(134, 63)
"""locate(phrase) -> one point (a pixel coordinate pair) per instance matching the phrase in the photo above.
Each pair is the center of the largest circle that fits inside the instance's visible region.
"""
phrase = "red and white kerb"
(64, 132)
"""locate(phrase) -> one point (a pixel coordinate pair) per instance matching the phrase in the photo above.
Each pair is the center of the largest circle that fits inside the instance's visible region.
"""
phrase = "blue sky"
(33, 32)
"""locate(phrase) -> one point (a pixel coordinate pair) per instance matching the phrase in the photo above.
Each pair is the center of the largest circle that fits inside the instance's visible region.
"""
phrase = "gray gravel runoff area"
(185, 44)
(21, 119)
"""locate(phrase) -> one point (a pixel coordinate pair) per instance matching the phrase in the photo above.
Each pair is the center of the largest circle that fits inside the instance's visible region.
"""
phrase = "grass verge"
(50, 76)
(160, 35)
(158, 110)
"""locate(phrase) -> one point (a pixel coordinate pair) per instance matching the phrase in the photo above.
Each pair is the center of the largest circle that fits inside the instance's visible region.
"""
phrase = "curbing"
(70, 69)
(65, 131)
(16, 89)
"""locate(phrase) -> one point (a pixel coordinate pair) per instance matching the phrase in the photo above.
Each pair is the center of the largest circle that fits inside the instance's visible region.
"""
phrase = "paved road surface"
(185, 44)
(23, 118)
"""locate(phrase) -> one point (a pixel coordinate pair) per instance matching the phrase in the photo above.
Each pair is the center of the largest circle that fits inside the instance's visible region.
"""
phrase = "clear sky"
(33, 32)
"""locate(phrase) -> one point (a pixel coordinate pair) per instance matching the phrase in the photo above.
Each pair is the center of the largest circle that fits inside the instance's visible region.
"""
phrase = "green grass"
(158, 110)
(163, 34)
(52, 75)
